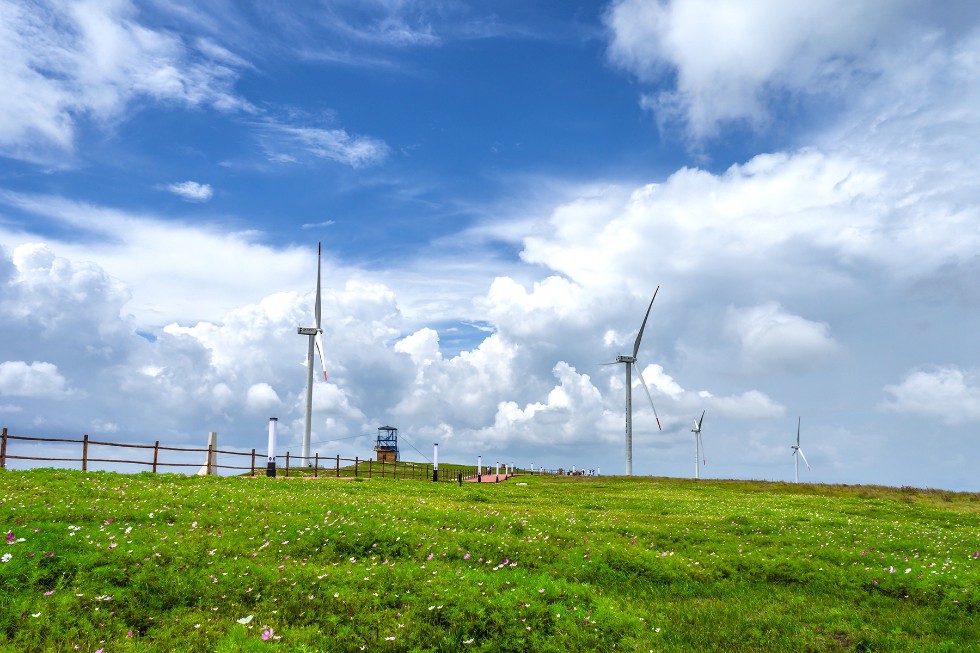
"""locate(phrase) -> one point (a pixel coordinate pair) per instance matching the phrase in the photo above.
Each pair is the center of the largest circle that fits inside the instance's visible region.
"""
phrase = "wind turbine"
(798, 450)
(315, 335)
(698, 446)
(630, 362)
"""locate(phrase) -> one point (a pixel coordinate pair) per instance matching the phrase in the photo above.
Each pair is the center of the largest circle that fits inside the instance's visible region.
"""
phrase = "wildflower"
(49, 593)
(267, 634)
(6, 557)
(10, 536)
(469, 641)
(390, 639)
(129, 633)
(466, 557)
(245, 620)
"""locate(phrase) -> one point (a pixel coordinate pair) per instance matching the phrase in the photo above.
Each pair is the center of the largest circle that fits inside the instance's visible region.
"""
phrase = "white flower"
(6, 557)
(245, 620)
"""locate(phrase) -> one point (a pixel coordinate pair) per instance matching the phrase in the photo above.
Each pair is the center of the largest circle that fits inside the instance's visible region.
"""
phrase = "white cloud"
(192, 191)
(291, 143)
(948, 393)
(38, 379)
(261, 397)
(67, 62)
(772, 339)
(732, 60)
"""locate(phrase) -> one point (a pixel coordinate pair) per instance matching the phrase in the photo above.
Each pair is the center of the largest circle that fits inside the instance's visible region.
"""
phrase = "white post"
(479, 469)
(435, 462)
(210, 467)
(271, 465)
(496, 471)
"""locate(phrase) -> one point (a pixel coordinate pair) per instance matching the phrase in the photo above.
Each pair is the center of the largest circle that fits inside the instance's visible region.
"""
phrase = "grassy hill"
(159, 563)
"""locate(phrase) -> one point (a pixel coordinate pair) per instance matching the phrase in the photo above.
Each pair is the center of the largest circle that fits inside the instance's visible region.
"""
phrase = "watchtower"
(387, 444)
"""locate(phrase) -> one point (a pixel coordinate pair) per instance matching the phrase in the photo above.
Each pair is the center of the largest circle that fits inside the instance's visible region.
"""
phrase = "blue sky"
(499, 187)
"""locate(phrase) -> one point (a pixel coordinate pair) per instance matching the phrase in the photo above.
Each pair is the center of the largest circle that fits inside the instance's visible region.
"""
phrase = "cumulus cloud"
(261, 397)
(772, 339)
(948, 393)
(37, 379)
(569, 413)
(192, 191)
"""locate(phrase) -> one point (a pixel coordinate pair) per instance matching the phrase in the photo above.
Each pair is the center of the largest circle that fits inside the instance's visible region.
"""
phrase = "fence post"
(382, 468)
(316, 465)
(253, 462)
(287, 464)
(3, 449)
(156, 455)
(355, 466)
(338, 465)
(85, 453)
(370, 467)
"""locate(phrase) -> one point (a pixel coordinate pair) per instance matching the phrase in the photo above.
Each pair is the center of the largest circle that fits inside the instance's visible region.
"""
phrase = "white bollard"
(270, 469)
(435, 462)
(479, 469)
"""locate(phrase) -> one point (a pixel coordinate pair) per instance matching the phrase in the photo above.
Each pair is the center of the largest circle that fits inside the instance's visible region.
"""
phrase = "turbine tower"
(798, 450)
(698, 446)
(630, 362)
(315, 340)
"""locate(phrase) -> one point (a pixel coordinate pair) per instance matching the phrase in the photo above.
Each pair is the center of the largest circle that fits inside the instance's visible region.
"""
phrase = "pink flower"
(267, 635)
(466, 557)
(129, 633)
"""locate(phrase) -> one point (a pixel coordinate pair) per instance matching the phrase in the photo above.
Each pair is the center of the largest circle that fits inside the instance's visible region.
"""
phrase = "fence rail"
(328, 466)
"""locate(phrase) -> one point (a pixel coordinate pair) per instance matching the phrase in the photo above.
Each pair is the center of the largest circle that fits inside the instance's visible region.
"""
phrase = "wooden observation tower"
(387, 444)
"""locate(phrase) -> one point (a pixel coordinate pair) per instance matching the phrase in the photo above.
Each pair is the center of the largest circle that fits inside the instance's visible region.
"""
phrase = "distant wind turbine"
(798, 450)
(315, 335)
(630, 362)
(698, 446)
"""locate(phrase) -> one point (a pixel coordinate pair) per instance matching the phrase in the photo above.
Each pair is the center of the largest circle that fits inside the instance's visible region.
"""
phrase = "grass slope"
(158, 563)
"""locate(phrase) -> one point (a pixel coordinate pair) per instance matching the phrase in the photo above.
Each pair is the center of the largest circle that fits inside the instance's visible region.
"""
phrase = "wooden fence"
(332, 466)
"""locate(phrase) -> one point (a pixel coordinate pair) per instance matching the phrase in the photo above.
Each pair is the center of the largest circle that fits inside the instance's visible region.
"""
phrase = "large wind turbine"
(630, 362)
(315, 335)
(798, 450)
(698, 446)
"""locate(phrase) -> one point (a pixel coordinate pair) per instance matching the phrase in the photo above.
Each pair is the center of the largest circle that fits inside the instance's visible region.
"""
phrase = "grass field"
(111, 562)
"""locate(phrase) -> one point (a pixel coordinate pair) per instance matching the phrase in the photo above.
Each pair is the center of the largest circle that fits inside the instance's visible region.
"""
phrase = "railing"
(335, 466)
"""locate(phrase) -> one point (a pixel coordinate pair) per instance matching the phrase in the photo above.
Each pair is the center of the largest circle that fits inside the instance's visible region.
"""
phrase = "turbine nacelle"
(625, 359)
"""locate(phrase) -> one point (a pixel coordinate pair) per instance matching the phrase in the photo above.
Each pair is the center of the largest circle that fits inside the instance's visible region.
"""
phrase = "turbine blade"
(319, 349)
(804, 458)
(639, 336)
(645, 388)
(316, 308)
(701, 421)
(797, 431)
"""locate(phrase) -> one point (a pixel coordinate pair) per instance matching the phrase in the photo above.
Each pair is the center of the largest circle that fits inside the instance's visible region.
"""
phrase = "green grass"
(166, 562)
